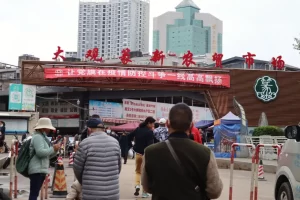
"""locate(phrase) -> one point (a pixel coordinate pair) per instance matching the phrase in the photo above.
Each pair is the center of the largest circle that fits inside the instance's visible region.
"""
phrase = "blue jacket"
(43, 152)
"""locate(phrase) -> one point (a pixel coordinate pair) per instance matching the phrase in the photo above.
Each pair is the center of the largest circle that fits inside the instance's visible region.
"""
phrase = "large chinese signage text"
(182, 77)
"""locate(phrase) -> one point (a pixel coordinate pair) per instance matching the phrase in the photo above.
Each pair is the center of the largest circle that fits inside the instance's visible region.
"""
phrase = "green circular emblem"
(266, 88)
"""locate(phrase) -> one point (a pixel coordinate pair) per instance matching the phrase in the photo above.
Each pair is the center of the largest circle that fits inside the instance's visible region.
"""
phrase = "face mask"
(108, 131)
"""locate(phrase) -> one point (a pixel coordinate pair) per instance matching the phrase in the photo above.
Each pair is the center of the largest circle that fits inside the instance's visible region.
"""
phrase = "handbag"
(182, 170)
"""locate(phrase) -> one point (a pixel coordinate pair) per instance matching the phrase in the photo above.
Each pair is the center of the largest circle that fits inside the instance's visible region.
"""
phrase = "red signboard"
(182, 77)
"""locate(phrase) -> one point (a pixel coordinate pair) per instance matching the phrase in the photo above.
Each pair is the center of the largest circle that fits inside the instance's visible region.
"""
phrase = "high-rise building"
(26, 57)
(71, 54)
(187, 29)
(112, 26)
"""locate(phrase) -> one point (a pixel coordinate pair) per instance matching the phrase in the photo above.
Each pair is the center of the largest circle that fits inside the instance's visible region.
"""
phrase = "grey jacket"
(97, 165)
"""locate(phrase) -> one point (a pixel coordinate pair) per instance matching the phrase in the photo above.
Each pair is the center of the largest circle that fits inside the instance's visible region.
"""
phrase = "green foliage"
(268, 130)
(297, 44)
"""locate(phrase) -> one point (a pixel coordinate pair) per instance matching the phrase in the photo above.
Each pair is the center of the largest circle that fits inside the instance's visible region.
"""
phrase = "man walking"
(180, 168)
(97, 164)
(143, 137)
(161, 133)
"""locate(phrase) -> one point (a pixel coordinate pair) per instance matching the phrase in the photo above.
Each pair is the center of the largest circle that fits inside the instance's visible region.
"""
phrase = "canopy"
(125, 127)
(204, 123)
(230, 118)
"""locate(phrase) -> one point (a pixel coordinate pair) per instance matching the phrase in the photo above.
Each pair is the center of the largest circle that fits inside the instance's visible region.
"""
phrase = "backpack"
(24, 158)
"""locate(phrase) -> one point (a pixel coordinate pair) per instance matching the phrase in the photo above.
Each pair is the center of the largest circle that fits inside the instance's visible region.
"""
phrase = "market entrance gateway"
(219, 86)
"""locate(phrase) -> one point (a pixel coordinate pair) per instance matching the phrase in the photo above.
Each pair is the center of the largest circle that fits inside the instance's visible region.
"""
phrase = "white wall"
(215, 24)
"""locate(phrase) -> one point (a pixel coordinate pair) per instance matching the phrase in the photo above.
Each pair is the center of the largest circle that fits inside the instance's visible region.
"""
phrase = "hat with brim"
(162, 121)
(44, 123)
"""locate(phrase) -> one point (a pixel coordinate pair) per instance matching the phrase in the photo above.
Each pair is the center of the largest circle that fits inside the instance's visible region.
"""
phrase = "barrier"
(261, 171)
(13, 184)
(232, 167)
(44, 188)
(71, 159)
(278, 147)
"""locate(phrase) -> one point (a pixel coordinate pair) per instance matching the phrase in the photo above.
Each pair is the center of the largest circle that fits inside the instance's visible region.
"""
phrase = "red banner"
(182, 77)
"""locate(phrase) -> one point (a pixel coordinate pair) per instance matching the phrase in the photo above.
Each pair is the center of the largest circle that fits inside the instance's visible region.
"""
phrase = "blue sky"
(264, 27)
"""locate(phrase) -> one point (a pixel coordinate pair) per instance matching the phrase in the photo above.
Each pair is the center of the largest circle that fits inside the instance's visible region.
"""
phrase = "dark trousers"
(125, 157)
(36, 182)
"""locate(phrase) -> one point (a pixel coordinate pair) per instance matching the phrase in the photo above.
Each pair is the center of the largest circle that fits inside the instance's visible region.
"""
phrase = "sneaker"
(137, 190)
(145, 195)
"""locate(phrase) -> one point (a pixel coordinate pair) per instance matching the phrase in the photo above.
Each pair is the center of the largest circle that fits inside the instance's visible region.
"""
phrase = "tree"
(268, 130)
(297, 44)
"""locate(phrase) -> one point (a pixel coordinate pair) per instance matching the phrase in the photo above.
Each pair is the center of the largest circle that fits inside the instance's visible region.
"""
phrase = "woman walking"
(42, 150)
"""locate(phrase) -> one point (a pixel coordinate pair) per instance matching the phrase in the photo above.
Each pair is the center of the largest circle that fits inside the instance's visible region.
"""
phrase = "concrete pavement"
(241, 183)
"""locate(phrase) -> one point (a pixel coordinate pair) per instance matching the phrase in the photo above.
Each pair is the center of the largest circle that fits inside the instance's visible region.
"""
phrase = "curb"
(246, 166)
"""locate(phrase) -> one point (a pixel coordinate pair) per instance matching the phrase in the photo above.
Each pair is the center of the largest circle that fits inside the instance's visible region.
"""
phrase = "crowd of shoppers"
(169, 156)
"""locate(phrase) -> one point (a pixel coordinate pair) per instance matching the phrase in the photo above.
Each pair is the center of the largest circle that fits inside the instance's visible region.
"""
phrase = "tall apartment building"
(26, 57)
(112, 26)
(187, 29)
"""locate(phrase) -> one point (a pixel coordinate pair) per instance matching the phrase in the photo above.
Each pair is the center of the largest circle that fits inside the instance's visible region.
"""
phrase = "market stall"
(226, 132)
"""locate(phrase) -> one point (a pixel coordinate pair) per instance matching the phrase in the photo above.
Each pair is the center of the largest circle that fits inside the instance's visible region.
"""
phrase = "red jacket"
(197, 135)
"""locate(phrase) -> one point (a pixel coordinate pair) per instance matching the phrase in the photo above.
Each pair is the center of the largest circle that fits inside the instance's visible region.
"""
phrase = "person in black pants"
(124, 145)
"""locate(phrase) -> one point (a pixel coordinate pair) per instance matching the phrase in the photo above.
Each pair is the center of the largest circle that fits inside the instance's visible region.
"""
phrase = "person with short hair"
(143, 137)
(180, 168)
(161, 133)
(97, 164)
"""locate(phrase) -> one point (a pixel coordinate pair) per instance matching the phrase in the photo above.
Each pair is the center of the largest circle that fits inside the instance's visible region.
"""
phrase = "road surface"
(241, 188)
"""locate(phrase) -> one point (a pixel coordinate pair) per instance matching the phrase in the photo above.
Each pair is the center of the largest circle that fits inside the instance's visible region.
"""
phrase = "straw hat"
(44, 123)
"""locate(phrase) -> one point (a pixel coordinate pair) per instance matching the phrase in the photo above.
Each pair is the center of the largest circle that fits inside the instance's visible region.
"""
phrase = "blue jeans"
(36, 182)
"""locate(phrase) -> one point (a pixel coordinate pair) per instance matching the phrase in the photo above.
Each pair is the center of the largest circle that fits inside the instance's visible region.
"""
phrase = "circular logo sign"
(266, 88)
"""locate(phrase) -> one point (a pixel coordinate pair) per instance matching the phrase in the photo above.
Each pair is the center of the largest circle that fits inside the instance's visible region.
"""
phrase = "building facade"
(112, 26)
(71, 54)
(26, 57)
(187, 29)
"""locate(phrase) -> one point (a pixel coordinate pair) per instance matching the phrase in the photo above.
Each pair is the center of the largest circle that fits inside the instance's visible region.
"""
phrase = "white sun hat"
(162, 121)
(44, 123)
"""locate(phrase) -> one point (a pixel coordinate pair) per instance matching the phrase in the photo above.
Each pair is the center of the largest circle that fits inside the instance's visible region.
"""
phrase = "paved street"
(240, 191)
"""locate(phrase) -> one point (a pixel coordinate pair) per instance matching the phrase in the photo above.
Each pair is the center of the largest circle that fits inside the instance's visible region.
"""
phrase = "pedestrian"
(125, 145)
(42, 150)
(161, 133)
(180, 168)
(143, 137)
(196, 134)
(2, 136)
(75, 192)
(97, 164)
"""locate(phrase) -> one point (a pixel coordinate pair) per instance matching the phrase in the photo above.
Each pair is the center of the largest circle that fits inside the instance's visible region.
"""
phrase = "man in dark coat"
(180, 168)
(125, 145)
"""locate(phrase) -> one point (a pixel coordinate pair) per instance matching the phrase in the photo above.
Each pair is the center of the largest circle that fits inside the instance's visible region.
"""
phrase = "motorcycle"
(7, 159)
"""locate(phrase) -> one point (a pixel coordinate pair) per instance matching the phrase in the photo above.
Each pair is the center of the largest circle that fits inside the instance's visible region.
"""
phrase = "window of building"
(63, 110)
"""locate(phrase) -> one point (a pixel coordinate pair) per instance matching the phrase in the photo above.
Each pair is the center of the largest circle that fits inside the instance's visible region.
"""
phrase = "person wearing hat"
(42, 150)
(97, 164)
(161, 133)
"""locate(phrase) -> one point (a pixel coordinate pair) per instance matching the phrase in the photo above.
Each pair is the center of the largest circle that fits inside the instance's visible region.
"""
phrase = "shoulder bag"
(182, 169)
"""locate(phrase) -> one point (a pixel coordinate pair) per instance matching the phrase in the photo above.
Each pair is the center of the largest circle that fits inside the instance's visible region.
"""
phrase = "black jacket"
(165, 174)
(143, 137)
(2, 137)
